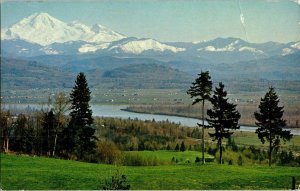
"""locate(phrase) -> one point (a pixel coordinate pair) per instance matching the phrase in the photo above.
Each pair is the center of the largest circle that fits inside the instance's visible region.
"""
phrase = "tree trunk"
(270, 153)
(48, 140)
(6, 143)
(54, 147)
(221, 151)
(270, 150)
(203, 159)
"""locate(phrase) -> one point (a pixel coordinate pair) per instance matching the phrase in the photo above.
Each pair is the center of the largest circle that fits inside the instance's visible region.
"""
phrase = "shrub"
(118, 182)
(209, 159)
(285, 157)
(107, 152)
(173, 160)
(168, 147)
(182, 147)
(212, 151)
(240, 161)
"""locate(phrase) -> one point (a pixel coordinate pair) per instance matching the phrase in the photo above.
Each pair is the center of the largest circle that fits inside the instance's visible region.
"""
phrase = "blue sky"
(173, 20)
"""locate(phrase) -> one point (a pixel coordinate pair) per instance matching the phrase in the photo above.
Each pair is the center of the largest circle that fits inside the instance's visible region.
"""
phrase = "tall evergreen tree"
(270, 122)
(222, 117)
(80, 133)
(201, 90)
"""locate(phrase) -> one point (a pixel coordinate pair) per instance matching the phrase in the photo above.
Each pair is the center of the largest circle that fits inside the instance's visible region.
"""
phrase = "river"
(115, 111)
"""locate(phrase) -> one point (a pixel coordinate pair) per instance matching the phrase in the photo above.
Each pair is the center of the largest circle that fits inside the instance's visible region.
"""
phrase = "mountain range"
(42, 34)
(46, 44)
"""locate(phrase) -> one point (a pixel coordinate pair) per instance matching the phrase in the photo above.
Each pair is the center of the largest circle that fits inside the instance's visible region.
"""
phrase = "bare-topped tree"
(201, 90)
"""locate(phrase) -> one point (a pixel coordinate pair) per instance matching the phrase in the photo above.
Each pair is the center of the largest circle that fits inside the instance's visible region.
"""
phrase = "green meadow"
(39, 173)
(167, 156)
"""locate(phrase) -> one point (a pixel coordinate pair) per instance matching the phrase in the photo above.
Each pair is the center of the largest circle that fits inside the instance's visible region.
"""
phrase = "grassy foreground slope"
(23, 172)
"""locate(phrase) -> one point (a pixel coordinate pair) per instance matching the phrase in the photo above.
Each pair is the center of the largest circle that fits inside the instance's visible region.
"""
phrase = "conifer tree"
(222, 117)
(270, 122)
(201, 90)
(80, 133)
(182, 147)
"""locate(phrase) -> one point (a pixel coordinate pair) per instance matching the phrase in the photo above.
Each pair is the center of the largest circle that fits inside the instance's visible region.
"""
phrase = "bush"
(212, 151)
(173, 160)
(107, 152)
(240, 161)
(209, 159)
(182, 147)
(286, 158)
(118, 182)
(168, 147)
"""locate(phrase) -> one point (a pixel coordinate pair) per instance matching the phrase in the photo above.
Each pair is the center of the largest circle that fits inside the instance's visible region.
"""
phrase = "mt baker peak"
(43, 29)
(38, 20)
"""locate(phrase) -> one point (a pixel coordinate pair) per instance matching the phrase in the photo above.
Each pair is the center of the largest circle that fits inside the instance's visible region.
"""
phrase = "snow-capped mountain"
(49, 32)
(142, 45)
(236, 45)
(130, 46)
(43, 29)
(41, 34)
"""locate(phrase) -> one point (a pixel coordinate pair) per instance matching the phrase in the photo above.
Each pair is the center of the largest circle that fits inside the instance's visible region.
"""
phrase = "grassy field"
(24, 172)
(166, 156)
(250, 138)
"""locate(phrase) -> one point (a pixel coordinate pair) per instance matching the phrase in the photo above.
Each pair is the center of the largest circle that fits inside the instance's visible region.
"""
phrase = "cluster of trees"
(133, 134)
(224, 117)
(51, 132)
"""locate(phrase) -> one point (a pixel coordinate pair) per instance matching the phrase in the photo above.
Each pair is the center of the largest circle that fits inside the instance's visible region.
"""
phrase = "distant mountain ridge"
(41, 34)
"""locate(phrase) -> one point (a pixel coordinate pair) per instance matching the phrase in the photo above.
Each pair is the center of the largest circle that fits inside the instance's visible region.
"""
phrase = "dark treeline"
(52, 132)
(43, 133)
(33, 133)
